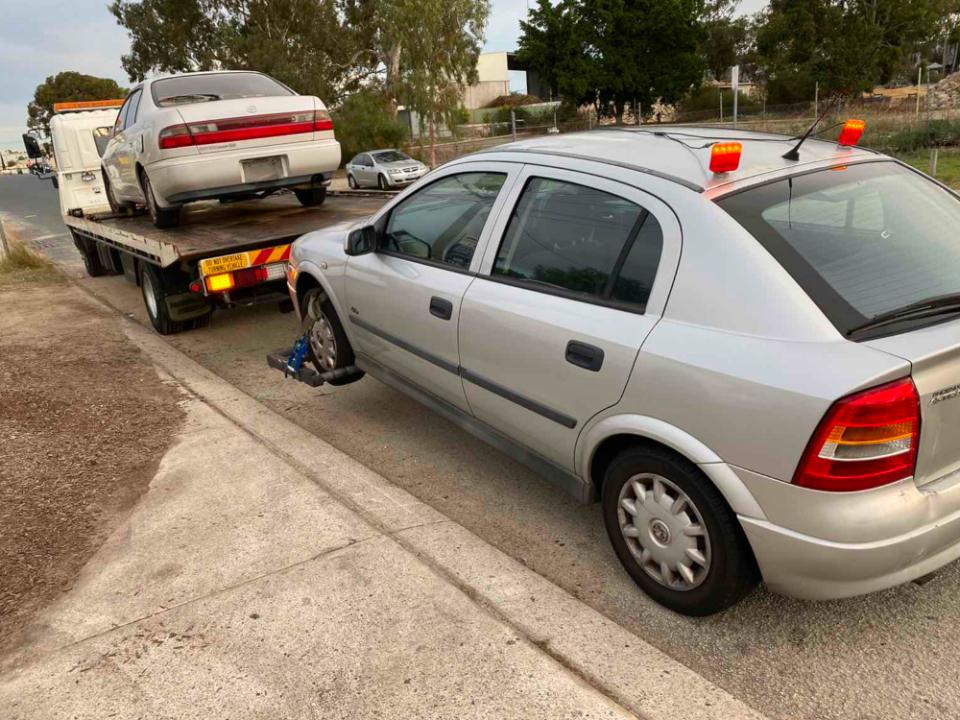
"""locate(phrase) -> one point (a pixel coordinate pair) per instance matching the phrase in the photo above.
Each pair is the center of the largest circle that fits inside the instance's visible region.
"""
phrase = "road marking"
(27, 217)
(49, 237)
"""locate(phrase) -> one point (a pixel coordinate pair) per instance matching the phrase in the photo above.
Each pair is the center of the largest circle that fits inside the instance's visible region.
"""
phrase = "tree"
(66, 87)
(363, 122)
(726, 39)
(553, 41)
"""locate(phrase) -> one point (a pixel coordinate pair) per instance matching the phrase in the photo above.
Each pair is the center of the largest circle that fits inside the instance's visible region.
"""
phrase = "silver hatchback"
(750, 357)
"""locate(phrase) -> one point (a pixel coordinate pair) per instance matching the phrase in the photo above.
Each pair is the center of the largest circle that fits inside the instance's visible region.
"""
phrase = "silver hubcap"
(664, 531)
(322, 340)
(148, 295)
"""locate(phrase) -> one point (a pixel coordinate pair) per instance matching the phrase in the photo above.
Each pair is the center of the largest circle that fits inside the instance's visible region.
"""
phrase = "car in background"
(224, 135)
(384, 169)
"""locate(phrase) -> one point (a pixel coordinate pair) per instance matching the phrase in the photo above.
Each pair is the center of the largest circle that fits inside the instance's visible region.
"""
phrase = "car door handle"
(441, 308)
(588, 357)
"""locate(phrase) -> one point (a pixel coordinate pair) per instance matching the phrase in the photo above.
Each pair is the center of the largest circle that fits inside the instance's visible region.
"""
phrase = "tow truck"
(225, 254)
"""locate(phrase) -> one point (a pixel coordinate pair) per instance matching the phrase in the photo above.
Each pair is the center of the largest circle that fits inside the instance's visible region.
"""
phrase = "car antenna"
(794, 154)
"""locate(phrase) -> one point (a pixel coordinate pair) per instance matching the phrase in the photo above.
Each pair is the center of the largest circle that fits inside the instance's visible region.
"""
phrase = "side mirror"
(32, 146)
(361, 241)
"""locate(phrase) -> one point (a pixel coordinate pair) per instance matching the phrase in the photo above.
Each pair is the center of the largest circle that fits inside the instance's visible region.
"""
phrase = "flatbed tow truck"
(224, 254)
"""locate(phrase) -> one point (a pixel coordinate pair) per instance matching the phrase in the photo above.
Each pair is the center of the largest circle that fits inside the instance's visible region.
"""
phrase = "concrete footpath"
(265, 574)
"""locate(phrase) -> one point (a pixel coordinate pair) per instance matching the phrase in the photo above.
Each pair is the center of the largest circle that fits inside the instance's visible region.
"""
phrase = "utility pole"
(4, 245)
(513, 124)
(816, 100)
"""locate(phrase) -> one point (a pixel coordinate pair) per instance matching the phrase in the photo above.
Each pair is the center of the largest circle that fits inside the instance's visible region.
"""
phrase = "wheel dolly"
(290, 362)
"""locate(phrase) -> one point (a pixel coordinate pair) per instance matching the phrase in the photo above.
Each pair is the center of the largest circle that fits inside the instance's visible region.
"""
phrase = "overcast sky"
(43, 37)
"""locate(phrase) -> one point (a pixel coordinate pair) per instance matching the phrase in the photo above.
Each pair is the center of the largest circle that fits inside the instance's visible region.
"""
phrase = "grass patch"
(948, 164)
(21, 264)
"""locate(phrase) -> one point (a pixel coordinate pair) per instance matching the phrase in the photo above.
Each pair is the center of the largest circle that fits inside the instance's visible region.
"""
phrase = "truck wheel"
(674, 533)
(153, 287)
(162, 217)
(310, 197)
(329, 347)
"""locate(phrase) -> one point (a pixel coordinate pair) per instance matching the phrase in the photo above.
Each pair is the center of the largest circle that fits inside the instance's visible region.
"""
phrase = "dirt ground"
(84, 421)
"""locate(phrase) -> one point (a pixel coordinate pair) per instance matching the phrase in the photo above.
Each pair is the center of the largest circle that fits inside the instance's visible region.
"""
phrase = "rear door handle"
(588, 357)
(441, 308)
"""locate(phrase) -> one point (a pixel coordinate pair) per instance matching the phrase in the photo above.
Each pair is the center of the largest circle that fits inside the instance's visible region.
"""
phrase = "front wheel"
(383, 183)
(311, 197)
(163, 217)
(674, 533)
(329, 347)
(352, 182)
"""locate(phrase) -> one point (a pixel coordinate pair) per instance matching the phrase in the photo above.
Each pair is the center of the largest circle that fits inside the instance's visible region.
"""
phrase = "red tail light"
(866, 440)
(852, 132)
(210, 132)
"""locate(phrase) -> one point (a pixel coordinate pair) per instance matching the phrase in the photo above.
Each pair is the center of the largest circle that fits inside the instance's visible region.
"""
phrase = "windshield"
(862, 240)
(215, 86)
(388, 156)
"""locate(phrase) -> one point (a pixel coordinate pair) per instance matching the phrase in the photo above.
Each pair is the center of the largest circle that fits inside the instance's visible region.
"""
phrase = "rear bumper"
(818, 546)
(212, 175)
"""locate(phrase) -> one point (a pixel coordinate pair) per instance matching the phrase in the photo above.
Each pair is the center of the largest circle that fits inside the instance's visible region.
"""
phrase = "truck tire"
(329, 347)
(91, 258)
(153, 287)
(310, 197)
(162, 217)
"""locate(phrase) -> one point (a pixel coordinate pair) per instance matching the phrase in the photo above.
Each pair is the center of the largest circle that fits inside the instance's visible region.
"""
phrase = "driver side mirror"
(32, 147)
(361, 241)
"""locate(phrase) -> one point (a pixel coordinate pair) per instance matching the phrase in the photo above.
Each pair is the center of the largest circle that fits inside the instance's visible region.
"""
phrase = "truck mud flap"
(186, 306)
(279, 360)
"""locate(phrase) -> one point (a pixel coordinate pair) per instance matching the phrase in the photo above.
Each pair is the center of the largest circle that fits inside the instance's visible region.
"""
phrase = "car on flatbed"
(748, 351)
(225, 254)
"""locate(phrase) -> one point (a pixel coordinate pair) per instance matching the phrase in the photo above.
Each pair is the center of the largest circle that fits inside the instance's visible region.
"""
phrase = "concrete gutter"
(368, 602)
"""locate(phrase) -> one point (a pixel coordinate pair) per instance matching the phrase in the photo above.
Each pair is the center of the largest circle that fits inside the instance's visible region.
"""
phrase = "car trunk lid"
(934, 353)
(220, 125)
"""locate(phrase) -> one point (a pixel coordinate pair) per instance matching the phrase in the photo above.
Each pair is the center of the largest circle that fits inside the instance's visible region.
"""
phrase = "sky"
(43, 37)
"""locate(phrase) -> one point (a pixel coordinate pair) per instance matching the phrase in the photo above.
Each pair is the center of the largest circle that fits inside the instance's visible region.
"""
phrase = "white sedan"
(227, 134)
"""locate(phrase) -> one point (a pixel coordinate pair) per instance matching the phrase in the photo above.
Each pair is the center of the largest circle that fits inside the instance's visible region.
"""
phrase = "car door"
(574, 279)
(366, 176)
(127, 149)
(114, 151)
(404, 298)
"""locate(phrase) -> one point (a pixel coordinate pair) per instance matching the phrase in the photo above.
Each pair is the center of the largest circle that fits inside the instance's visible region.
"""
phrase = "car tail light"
(852, 132)
(211, 132)
(865, 440)
(725, 157)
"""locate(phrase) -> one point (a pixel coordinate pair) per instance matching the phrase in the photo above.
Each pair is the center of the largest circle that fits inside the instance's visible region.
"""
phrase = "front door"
(550, 329)
(404, 299)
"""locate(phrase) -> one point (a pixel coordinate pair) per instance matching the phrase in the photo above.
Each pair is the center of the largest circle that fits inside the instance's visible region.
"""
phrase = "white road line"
(27, 217)
(49, 237)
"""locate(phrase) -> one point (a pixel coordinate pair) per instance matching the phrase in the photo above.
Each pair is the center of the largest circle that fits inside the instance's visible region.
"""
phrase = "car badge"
(251, 108)
(946, 394)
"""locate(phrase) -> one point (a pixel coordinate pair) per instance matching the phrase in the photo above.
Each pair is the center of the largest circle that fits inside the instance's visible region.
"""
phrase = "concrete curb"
(630, 671)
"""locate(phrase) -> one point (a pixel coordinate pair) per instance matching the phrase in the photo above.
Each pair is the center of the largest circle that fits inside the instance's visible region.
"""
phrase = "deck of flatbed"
(211, 228)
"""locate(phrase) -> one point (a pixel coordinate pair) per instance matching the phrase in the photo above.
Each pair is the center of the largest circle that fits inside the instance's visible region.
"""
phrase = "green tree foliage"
(726, 39)
(362, 122)
(615, 52)
(66, 87)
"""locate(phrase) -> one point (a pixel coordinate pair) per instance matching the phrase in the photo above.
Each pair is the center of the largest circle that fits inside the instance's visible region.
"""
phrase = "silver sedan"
(384, 169)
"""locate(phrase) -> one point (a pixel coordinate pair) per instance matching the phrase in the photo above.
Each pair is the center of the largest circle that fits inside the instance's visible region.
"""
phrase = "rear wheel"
(163, 217)
(329, 347)
(310, 197)
(153, 288)
(674, 533)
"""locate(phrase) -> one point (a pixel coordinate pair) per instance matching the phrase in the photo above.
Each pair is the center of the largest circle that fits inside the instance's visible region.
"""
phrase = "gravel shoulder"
(84, 421)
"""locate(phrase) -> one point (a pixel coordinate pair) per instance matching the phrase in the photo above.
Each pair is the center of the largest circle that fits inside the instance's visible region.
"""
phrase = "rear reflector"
(211, 132)
(852, 132)
(866, 440)
(725, 157)
(222, 282)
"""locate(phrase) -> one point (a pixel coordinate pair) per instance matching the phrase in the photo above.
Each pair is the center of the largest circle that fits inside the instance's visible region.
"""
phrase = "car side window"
(133, 105)
(442, 222)
(366, 161)
(580, 242)
(121, 115)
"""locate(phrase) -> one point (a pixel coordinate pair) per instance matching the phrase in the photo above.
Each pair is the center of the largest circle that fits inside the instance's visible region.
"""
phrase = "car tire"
(382, 182)
(153, 288)
(311, 197)
(329, 348)
(116, 207)
(352, 182)
(692, 574)
(163, 218)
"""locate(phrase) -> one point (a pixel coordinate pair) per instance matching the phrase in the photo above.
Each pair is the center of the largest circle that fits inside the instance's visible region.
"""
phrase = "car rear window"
(215, 86)
(862, 240)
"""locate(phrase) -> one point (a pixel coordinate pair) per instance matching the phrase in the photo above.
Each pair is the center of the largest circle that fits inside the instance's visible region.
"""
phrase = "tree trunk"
(433, 143)
(393, 79)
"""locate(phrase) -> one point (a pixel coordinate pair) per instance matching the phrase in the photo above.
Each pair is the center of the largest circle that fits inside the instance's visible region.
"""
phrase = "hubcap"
(148, 295)
(323, 342)
(664, 531)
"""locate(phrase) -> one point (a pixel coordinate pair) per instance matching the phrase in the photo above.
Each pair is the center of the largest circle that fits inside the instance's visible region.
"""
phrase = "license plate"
(224, 263)
(262, 169)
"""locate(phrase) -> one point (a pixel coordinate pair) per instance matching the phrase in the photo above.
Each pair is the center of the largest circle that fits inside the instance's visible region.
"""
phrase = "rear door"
(572, 284)
(404, 299)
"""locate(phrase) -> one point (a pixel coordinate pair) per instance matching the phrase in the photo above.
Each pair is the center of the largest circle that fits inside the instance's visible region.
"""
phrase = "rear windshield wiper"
(932, 307)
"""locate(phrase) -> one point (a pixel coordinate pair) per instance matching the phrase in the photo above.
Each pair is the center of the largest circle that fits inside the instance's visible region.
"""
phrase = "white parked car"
(217, 135)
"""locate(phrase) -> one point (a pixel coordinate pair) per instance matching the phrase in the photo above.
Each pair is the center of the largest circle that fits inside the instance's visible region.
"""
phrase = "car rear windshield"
(863, 240)
(215, 86)
(388, 156)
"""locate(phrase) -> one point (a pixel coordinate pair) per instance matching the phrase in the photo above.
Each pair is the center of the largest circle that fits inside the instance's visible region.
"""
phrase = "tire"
(352, 182)
(383, 183)
(200, 322)
(153, 288)
(311, 197)
(162, 217)
(116, 207)
(660, 530)
(329, 348)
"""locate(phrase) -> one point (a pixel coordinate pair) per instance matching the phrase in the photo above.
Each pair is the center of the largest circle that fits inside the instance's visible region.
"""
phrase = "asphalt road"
(892, 654)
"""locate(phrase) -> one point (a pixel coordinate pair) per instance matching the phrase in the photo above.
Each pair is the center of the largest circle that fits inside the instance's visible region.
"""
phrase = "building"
(493, 81)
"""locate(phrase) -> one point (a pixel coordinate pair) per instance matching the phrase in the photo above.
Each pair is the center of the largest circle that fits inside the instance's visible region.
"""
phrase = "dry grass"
(22, 264)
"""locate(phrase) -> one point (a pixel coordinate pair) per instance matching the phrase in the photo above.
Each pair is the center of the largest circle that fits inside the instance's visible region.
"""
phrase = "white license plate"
(263, 169)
